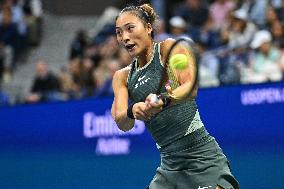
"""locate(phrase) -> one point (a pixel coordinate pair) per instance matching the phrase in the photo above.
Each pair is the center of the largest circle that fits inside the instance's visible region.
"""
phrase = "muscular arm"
(120, 102)
(119, 108)
(184, 76)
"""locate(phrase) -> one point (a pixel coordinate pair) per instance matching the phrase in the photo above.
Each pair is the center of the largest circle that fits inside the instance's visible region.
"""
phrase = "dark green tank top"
(174, 121)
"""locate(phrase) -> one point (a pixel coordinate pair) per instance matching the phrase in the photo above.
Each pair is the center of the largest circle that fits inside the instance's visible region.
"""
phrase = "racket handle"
(154, 98)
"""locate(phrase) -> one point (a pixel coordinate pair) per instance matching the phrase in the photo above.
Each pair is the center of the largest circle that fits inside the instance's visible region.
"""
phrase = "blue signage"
(76, 144)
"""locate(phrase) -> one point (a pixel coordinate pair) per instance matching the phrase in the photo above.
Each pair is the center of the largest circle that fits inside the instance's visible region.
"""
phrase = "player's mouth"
(130, 47)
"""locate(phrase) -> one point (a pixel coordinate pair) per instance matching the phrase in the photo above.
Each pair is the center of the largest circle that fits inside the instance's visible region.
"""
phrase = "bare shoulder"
(167, 43)
(121, 75)
(165, 46)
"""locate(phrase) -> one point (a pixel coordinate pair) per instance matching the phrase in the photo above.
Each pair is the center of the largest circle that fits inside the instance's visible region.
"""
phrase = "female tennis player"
(190, 157)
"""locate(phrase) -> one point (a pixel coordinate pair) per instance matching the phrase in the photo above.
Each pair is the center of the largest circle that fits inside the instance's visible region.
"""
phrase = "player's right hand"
(141, 111)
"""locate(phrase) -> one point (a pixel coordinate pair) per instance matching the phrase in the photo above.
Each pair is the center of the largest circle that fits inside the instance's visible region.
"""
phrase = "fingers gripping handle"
(155, 99)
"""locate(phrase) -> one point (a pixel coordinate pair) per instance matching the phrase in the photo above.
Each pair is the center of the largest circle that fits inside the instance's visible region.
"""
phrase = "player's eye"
(130, 28)
(118, 32)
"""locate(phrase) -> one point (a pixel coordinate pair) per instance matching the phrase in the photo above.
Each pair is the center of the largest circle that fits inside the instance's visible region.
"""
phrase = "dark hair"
(145, 12)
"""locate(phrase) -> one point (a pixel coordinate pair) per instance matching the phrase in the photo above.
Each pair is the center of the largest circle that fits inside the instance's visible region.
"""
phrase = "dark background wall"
(76, 7)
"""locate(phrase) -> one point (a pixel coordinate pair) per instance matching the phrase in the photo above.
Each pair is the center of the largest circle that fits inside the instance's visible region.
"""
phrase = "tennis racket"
(178, 77)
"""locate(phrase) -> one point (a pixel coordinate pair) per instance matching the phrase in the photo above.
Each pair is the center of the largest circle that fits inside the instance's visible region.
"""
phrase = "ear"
(149, 28)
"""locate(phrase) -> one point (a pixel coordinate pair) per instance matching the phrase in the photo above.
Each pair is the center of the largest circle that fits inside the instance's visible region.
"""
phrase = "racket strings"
(172, 79)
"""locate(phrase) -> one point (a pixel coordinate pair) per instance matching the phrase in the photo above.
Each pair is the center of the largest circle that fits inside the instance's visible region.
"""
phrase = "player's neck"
(147, 56)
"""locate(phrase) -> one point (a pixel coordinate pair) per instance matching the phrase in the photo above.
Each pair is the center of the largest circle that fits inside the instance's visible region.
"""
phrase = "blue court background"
(43, 146)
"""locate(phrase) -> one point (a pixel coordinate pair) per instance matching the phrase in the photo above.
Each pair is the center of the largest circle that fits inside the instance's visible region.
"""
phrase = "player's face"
(132, 34)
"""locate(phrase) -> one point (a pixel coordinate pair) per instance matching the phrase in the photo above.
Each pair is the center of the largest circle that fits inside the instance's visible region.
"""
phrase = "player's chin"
(132, 52)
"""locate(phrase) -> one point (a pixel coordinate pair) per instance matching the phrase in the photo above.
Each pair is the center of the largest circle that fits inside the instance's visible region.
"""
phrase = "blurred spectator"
(46, 86)
(8, 30)
(229, 71)
(33, 19)
(79, 44)
(271, 17)
(14, 34)
(220, 10)
(236, 36)
(8, 42)
(257, 12)
(277, 32)
(107, 30)
(17, 16)
(161, 33)
(103, 76)
(88, 83)
(276, 3)
(178, 27)
(195, 13)
(124, 58)
(109, 48)
(239, 31)
(34, 7)
(159, 6)
(209, 67)
(105, 24)
(6, 62)
(76, 72)
(280, 11)
(67, 85)
(82, 82)
(208, 35)
(92, 51)
(264, 64)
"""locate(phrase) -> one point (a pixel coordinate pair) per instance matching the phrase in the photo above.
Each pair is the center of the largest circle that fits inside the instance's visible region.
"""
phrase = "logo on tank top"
(205, 187)
(141, 81)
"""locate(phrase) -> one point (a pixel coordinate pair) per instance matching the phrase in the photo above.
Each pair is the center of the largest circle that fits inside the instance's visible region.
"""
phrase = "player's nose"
(125, 38)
